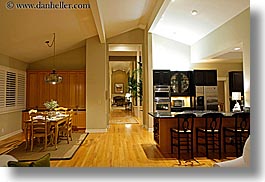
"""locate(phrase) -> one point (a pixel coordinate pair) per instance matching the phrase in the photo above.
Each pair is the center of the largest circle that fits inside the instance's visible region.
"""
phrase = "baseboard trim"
(150, 129)
(10, 134)
(96, 130)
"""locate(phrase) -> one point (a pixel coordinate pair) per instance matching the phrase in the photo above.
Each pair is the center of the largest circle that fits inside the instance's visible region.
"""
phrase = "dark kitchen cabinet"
(161, 77)
(181, 83)
(205, 77)
(236, 82)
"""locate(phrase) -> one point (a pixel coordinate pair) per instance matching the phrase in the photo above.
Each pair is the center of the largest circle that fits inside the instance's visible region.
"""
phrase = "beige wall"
(71, 60)
(222, 68)
(13, 63)
(234, 32)
(96, 87)
(10, 123)
(132, 37)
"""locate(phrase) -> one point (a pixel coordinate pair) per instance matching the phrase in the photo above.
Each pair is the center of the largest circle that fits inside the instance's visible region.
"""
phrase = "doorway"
(223, 101)
(124, 104)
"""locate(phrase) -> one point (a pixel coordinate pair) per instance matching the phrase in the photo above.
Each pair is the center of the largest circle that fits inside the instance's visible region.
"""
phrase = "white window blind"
(21, 91)
(12, 89)
(2, 89)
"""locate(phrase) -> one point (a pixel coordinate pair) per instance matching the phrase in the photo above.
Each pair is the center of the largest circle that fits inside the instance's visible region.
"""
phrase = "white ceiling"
(23, 32)
(177, 22)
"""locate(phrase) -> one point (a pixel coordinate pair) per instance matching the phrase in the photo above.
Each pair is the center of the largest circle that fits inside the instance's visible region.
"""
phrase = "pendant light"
(53, 77)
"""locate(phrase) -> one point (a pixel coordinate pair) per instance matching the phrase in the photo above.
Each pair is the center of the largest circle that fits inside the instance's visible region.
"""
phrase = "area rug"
(64, 151)
(7, 147)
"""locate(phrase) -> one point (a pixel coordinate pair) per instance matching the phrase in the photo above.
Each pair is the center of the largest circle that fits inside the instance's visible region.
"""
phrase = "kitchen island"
(163, 121)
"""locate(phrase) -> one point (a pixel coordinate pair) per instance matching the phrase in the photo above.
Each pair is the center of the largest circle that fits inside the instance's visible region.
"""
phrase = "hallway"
(119, 115)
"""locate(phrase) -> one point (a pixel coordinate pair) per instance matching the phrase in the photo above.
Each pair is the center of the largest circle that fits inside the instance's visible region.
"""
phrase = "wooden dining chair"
(27, 127)
(65, 130)
(63, 110)
(41, 128)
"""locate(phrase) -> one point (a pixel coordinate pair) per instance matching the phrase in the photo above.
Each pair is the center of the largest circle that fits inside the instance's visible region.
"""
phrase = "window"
(12, 89)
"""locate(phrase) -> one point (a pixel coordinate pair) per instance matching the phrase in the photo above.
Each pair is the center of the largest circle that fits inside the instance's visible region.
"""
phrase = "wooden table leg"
(56, 135)
(26, 135)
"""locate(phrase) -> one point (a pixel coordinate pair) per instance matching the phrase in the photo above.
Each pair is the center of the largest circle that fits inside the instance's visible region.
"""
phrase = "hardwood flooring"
(124, 145)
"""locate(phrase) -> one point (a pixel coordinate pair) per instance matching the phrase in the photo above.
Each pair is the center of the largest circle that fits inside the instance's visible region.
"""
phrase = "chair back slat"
(185, 122)
(213, 121)
(242, 121)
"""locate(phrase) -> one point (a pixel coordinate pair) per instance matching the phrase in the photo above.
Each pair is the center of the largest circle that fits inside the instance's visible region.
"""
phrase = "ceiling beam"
(97, 15)
(158, 11)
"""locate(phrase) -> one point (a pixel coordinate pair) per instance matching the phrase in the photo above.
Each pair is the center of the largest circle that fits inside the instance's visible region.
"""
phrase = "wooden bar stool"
(182, 134)
(237, 135)
(209, 136)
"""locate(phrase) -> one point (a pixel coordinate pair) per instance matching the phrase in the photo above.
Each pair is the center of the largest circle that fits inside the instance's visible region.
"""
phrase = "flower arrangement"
(51, 104)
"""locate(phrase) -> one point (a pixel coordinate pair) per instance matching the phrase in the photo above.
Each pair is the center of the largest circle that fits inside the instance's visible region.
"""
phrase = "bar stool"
(209, 136)
(182, 134)
(237, 135)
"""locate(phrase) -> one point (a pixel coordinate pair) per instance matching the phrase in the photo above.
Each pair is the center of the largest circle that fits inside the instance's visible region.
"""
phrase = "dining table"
(55, 121)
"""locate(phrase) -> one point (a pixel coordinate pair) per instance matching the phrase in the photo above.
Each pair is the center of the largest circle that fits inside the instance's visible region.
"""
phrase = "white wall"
(234, 32)
(169, 54)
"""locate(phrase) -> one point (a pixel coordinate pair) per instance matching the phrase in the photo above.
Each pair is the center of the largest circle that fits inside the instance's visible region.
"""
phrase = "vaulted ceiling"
(24, 31)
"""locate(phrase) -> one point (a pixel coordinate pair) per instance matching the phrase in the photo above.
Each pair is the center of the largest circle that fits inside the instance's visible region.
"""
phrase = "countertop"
(197, 113)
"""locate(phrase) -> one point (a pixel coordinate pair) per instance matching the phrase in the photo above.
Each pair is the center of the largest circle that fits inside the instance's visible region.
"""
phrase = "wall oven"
(162, 107)
(162, 98)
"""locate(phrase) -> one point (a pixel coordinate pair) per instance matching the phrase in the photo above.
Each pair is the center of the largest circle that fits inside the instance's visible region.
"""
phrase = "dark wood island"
(162, 122)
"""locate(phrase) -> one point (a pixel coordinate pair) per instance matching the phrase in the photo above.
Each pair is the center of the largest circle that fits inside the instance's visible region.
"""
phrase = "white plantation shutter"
(2, 89)
(21, 89)
(12, 89)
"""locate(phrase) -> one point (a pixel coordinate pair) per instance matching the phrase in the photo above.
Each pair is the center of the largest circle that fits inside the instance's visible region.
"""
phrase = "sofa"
(10, 161)
(242, 161)
(4, 159)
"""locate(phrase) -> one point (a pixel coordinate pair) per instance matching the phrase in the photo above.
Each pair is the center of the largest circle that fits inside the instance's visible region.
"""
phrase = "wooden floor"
(124, 145)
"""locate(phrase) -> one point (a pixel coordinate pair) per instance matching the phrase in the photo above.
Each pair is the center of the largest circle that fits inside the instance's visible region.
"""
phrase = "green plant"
(134, 87)
(51, 104)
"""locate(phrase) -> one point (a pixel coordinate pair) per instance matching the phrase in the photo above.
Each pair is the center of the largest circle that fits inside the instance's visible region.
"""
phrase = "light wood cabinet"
(73, 90)
(44, 90)
(63, 90)
(81, 90)
(32, 90)
(79, 120)
(69, 93)
(77, 90)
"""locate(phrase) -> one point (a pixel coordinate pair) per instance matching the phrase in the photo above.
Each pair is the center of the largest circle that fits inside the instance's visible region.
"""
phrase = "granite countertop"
(197, 113)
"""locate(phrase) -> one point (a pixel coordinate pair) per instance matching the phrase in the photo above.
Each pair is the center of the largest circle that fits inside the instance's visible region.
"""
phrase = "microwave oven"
(178, 103)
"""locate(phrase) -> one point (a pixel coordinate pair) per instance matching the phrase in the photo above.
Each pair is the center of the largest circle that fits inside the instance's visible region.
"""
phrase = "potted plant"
(134, 87)
(51, 105)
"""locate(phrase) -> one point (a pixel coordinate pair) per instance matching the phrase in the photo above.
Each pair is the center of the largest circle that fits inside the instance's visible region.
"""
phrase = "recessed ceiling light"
(237, 48)
(172, 1)
(194, 12)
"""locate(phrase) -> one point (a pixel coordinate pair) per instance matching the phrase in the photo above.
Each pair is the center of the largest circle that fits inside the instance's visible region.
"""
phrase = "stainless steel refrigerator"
(207, 98)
